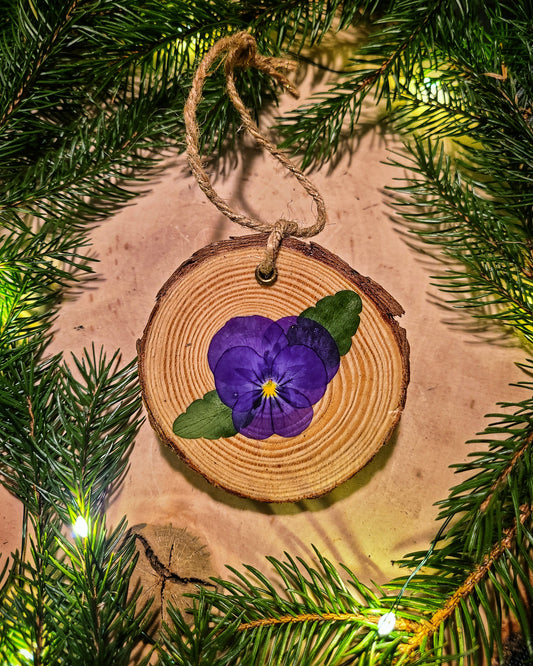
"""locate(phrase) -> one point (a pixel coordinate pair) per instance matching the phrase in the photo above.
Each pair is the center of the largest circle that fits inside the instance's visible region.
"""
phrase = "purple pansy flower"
(271, 373)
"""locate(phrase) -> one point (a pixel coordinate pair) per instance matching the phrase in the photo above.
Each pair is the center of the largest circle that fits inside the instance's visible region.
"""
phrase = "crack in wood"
(163, 571)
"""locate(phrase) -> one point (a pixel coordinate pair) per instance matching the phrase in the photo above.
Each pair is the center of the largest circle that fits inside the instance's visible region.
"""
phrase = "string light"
(80, 527)
(431, 89)
(387, 622)
(26, 654)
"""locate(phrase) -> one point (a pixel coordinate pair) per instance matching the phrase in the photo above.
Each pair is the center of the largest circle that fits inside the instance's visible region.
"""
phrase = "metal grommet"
(266, 280)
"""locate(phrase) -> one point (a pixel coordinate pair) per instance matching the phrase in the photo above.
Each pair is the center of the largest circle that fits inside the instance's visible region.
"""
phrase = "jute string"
(240, 50)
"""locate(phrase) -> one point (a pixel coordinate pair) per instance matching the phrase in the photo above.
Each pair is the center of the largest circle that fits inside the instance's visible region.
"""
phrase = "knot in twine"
(240, 50)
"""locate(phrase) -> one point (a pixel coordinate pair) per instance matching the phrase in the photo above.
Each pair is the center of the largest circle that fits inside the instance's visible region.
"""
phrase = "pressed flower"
(272, 373)
(303, 331)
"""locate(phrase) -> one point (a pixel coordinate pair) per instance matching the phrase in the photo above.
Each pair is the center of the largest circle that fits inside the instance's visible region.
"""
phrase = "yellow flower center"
(269, 389)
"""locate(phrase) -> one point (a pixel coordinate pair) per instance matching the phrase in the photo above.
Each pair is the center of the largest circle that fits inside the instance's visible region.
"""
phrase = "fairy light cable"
(387, 622)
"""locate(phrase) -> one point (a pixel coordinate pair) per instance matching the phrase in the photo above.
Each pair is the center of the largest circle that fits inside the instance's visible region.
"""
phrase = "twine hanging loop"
(240, 50)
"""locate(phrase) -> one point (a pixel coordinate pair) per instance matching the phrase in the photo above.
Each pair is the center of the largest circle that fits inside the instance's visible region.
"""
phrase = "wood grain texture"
(362, 403)
(172, 563)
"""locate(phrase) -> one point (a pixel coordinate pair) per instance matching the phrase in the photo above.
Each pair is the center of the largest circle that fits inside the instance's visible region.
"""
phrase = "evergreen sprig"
(483, 242)
(498, 482)
(66, 441)
(403, 46)
(312, 616)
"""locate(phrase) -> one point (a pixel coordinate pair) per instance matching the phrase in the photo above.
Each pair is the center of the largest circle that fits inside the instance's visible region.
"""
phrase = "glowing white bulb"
(432, 90)
(386, 624)
(80, 527)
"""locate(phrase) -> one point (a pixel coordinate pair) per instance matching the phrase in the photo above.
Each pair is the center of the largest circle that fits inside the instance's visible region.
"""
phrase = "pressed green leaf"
(207, 417)
(339, 314)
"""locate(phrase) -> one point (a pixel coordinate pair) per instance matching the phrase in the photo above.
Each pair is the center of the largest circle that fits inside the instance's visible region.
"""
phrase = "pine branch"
(384, 66)
(497, 479)
(485, 241)
(66, 442)
(48, 26)
(468, 589)
(296, 24)
(268, 624)
(316, 619)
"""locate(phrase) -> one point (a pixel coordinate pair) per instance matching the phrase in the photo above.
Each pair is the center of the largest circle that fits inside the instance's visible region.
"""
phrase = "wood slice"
(354, 418)
(172, 564)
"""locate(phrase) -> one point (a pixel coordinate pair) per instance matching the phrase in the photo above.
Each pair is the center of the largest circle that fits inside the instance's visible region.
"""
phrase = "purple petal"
(300, 369)
(238, 373)
(274, 340)
(260, 427)
(287, 322)
(248, 402)
(288, 421)
(304, 331)
(245, 410)
(293, 397)
(259, 333)
(277, 417)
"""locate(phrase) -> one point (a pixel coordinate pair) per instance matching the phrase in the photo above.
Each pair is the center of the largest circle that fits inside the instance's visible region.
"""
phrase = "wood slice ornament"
(268, 364)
